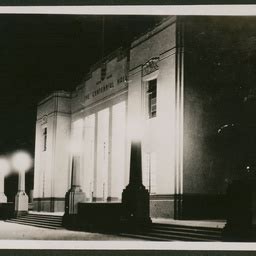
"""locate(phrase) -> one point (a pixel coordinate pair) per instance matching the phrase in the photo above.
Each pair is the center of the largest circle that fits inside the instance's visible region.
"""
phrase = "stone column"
(3, 198)
(21, 181)
(75, 193)
(21, 198)
(135, 197)
(75, 185)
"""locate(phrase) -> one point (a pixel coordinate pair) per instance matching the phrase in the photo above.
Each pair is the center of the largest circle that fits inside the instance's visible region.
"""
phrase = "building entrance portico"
(148, 92)
(128, 95)
(103, 158)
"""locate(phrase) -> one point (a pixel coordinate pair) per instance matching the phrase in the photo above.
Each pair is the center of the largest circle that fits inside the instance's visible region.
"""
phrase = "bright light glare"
(135, 131)
(21, 161)
(77, 136)
(4, 165)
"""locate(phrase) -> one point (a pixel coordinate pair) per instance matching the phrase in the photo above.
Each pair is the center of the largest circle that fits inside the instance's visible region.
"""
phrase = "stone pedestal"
(21, 203)
(21, 198)
(74, 195)
(3, 198)
(241, 211)
(135, 197)
(72, 198)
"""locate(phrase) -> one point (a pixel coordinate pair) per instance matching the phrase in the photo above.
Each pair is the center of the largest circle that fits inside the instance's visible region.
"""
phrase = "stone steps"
(39, 220)
(169, 232)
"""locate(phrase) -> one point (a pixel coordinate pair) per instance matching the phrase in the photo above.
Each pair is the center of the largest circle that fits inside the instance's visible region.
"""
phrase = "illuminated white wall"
(149, 171)
(52, 165)
(76, 149)
(38, 161)
(77, 137)
(102, 154)
(118, 150)
(61, 159)
(159, 134)
(89, 156)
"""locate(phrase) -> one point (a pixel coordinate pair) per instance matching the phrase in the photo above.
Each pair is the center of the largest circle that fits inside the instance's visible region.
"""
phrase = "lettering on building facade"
(104, 88)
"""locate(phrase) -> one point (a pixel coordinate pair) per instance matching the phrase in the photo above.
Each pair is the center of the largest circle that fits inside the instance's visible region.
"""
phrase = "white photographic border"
(206, 10)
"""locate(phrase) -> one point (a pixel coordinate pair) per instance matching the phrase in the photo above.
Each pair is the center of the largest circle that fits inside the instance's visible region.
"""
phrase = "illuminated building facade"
(152, 92)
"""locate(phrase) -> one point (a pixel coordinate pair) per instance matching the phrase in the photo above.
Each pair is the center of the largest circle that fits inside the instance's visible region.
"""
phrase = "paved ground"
(16, 231)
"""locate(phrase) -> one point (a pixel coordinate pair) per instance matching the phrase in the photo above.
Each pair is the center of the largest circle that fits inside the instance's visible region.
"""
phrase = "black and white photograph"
(129, 128)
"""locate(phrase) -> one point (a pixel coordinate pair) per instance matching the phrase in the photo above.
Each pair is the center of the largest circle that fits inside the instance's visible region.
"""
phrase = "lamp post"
(75, 194)
(135, 197)
(4, 170)
(21, 162)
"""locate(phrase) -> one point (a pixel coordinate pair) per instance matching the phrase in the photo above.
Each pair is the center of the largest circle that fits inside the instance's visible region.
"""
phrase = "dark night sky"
(43, 53)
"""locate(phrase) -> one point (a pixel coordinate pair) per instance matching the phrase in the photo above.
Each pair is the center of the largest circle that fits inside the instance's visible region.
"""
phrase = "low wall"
(161, 206)
(106, 216)
(6, 211)
(198, 206)
(50, 204)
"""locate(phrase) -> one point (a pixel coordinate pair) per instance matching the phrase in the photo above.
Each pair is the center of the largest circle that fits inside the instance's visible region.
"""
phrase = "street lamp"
(4, 170)
(135, 197)
(75, 194)
(21, 162)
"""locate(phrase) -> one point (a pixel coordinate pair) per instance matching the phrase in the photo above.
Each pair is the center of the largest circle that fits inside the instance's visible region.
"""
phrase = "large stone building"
(175, 88)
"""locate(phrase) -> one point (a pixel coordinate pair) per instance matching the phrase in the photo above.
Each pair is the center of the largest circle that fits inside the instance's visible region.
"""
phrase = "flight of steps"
(170, 232)
(39, 220)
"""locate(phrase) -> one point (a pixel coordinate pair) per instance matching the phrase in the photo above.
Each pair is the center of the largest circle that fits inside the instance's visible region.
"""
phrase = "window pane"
(45, 139)
(152, 100)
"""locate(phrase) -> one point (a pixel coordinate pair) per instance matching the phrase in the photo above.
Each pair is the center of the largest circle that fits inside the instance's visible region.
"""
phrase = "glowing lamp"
(21, 161)
(4, 170)
(135, 131)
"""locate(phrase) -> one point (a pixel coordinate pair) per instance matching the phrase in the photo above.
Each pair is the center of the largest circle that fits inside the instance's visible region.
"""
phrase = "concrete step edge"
(181, 232)
(143, 237)
(34, 219)
(185, 227)
(45, 216)
(26, 218)
(39, 223)
(183, 237)
(34, 225)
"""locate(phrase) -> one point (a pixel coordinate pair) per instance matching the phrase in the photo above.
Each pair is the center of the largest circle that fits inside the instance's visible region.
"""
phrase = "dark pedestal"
(70, 221)
(135, 200)
(135, 197)
(7, 211)
(241, 211)
(74, 196)
(100, 217)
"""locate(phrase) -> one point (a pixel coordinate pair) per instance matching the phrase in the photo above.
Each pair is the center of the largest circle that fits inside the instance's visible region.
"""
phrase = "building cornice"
(58, 94)
(152, 32)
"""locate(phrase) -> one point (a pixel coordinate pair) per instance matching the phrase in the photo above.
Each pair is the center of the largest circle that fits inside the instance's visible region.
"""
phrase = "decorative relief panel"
(44, 120)
(150, 66)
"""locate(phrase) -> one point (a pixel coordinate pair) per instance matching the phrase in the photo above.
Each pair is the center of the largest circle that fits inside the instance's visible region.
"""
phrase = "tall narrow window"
(152, 94)
(45, 139)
